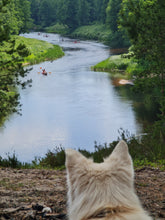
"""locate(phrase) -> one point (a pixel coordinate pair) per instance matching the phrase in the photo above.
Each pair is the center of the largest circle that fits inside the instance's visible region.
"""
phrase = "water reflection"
(72, 106)
(144, 105)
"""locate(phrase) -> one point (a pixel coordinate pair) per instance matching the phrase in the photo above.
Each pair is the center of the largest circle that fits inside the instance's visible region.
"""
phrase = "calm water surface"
(72, 106)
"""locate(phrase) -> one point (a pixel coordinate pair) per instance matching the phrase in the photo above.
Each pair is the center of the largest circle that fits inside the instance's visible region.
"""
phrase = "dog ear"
(120, 159)
(73, 158)
(121, 150)
(120, 153)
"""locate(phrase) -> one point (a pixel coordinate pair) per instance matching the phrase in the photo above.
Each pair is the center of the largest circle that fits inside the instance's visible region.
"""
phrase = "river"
(70, 107)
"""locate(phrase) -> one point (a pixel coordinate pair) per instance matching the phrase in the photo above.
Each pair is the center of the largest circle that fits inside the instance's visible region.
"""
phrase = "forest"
(137, 24)
(65, 16)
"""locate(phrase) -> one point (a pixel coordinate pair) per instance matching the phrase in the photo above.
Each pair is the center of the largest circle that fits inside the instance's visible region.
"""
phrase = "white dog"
(102, 191)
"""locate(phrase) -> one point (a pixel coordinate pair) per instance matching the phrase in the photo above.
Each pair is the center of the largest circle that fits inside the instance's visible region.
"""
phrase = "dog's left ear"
(73, 158)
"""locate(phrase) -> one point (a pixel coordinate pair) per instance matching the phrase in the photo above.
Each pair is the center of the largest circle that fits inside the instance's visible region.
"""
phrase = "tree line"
(73, 13)
(24, 15)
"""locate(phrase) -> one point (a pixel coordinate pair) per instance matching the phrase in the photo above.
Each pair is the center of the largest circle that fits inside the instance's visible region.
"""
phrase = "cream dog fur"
(102, 191)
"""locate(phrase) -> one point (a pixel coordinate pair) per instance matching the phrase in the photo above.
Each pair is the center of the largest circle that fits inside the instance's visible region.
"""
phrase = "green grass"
(57, 28)
(120, 67)
(93, 32)
(160, 164)
(39, 50)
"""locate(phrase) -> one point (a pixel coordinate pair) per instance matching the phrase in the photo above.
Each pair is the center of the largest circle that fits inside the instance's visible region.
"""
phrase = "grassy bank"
(39, 50)
(12, 63)
(144, 152)
(96, 31)
(57, 29)
(88, 32)
(119, 66)
(92, 32)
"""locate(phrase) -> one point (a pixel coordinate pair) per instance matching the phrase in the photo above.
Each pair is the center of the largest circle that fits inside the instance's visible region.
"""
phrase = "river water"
(70, 107)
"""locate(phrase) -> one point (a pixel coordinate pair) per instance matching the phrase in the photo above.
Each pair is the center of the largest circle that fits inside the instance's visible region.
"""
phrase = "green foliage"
(112, 11)
(15, 16)
(40, 50)
(144, 22)
(73, 13)
(13, 53)
(54, 159)
(55, 15)
(10, 161)
(58, 29)
(49, 54)
(23, 15)
(146, 150)
(117, 38)
(11, 58)
(11, 71)
(117, 64)
(95, 31)
(145, 163)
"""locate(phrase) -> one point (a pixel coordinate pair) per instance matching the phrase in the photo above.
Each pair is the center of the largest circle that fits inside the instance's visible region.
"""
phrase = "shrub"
(53, 159)
(57, 28)
(10, 161)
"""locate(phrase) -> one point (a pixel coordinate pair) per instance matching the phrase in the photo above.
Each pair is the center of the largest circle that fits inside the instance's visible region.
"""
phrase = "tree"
(11, 69)
(34, 8)
(71, 19)
(144, 21)
(24, 15)
(17, 16)
(46, 12)
(117, 38)
(83, 12)
(8, 17)
(104, 6)
(112, 14)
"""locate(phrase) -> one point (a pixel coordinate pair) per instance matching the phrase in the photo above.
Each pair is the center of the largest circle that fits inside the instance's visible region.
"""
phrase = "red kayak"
(44, 72)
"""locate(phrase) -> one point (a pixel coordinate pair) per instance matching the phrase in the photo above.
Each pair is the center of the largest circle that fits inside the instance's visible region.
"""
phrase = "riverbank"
(87, 32)
(25, 192)
(97, 31)
(119, 67)
(39, 50)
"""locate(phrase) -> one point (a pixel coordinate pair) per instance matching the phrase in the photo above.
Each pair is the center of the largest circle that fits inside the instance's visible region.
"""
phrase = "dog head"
(94, 186)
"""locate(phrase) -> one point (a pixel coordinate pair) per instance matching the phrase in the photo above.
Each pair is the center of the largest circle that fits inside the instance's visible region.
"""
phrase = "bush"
(10, 161)
(58, 28)
(54, 159)
(146, 150)
(93, 32)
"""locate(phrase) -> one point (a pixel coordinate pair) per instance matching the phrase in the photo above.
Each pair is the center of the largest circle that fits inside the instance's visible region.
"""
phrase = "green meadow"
(39, 50)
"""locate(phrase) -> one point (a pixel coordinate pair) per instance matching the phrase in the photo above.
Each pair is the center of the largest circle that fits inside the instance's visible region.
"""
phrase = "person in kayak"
(44, 72)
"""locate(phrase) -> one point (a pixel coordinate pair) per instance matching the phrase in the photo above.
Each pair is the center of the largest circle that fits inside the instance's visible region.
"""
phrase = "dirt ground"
(24, 193)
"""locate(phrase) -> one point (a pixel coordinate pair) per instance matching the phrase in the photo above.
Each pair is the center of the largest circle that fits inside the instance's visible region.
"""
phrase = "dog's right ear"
(120, 158)
(73, 158)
